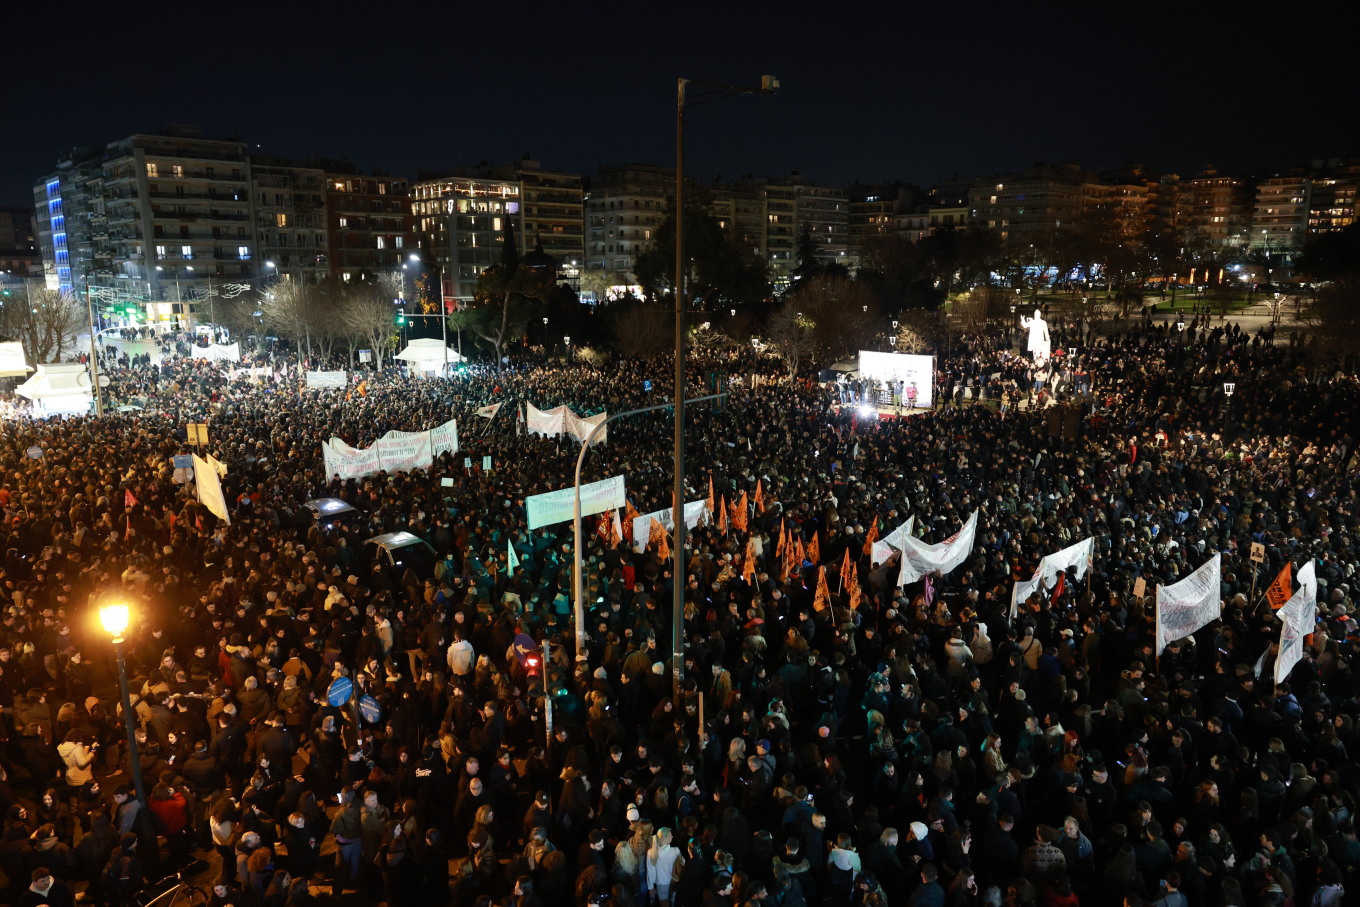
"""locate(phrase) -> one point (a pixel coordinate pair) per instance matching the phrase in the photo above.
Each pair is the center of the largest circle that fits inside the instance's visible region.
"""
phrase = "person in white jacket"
(461, 658)
(661, 857)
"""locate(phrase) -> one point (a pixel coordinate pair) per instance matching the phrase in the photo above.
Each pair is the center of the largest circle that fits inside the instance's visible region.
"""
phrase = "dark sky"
(870, 91)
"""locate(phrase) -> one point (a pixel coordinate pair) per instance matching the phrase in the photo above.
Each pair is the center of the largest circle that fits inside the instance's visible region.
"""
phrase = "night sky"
(867, 94)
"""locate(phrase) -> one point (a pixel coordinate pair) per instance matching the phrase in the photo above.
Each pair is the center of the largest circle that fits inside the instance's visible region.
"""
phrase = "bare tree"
(790, 335)
(981, 308)
(44, 320)
(368, 314)
(843, 310)
(643, 330)
(917, 331)
(297, 311)
(1334, 316)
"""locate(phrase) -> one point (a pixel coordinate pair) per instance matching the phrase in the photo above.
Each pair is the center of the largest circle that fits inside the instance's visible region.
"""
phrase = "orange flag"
(628, 515)
(656, 535)
(845, 569)
(748, 567)
(722, 516)
(814, 549)
(855, 596)
(871, 538)
(782, 543)
(822, 598)
(1282, 588)
(793, 564)
(739, 514)
(711, 506)
(760, 496)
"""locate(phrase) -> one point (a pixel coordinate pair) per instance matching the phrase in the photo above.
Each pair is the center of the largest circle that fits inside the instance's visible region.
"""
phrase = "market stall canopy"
(428, 354)
(12, 361)
(59, 388)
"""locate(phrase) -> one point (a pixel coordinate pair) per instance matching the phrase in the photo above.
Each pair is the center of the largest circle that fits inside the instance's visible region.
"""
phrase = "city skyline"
(937, 96)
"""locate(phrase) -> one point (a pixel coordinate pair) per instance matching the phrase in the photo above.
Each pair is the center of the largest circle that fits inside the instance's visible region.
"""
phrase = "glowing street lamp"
(114, 618)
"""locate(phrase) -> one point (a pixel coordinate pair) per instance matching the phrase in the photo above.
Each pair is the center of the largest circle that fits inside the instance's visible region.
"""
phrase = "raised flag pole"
(578, 580)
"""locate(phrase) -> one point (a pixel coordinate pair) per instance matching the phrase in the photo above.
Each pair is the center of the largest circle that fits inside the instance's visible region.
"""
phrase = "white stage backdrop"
(901, 367)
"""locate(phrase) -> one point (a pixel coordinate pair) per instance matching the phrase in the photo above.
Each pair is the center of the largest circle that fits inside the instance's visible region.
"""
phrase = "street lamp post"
(1228, 388)
(711, 91)
(94, 352)
(115, 621)
(578, 579)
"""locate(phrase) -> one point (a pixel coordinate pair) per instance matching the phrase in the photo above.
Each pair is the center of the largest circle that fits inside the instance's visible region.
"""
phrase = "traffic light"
(531, 665)
(401, 316)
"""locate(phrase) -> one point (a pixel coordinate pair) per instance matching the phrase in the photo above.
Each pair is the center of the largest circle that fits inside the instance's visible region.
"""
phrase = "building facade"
(19, 255)
(461, 224)
(623, 207)
(369, 225)
(150, 219)
(288, 208)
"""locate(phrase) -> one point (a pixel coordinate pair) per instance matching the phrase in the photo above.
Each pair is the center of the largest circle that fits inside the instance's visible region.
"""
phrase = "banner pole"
(1157, 631)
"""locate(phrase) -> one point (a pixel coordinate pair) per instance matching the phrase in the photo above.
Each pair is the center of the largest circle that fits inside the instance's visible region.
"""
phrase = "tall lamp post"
(578, 578)
(708, 91)
(115, 621)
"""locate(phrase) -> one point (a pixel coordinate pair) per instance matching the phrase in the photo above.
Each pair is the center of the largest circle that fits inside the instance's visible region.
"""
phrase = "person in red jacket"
(171, 807)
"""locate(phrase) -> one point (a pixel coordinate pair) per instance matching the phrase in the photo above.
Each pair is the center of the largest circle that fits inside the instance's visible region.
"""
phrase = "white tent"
(59, 388)
(12, 361)
(428, 354)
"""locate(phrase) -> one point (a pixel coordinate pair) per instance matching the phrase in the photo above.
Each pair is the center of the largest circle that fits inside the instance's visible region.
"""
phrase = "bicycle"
(181, 892)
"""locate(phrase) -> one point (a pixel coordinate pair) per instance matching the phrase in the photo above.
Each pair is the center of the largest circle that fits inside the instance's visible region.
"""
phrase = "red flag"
(1282, 588)
(129, 501)
(629, 514)
(1058, 589)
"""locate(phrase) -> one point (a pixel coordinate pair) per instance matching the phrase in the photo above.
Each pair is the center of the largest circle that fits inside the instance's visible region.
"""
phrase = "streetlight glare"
(114, 618)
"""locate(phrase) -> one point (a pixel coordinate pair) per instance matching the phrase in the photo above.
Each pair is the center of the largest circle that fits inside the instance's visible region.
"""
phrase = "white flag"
(207, 474)
(511, 561)
(489, 412)
(919, 558)
(1186, 606)
(1298, 617)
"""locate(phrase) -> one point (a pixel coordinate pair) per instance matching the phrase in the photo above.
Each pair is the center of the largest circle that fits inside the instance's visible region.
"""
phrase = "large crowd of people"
(912, 746)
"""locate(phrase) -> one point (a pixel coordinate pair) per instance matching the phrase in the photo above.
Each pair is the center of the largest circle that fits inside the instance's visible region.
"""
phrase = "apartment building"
(461, 224)
(369, 225)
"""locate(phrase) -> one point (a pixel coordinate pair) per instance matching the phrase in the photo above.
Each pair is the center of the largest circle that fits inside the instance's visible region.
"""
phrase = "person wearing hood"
(79, 757)
(661, 859)
(842, 868)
